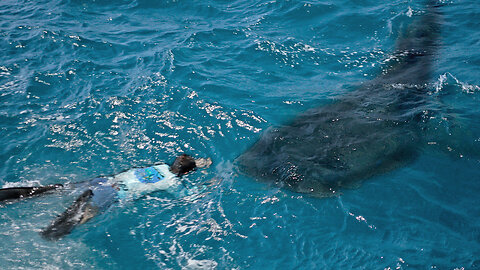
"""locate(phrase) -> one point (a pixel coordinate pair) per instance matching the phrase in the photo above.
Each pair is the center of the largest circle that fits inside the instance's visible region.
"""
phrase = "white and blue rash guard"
(138, 182)
(135, 183)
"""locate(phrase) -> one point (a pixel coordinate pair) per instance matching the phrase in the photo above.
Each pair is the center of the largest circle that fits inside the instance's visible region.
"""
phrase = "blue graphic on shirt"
(148, 175)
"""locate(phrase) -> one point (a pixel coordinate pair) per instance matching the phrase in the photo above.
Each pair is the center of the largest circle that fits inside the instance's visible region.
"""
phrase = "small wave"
(447, 79)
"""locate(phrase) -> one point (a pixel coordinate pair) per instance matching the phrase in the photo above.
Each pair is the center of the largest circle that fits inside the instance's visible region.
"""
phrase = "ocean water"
(96, 87)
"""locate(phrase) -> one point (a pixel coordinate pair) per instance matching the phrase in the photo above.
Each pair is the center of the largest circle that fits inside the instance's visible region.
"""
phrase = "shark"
(374, 129)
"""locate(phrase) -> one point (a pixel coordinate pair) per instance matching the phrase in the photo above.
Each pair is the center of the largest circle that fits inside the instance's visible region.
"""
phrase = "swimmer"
(101, 192)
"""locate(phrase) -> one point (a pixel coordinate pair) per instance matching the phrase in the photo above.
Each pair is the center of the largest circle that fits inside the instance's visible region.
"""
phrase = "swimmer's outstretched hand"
(203, 162)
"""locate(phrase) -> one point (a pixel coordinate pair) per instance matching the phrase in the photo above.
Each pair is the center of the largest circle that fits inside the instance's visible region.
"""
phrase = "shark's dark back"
(369, 131)
(411, 62)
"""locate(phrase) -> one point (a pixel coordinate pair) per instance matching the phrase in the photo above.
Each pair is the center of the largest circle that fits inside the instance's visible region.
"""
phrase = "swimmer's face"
(183, 164)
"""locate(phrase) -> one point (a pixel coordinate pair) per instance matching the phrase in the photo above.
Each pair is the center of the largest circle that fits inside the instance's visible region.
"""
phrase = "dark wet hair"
(183, 164)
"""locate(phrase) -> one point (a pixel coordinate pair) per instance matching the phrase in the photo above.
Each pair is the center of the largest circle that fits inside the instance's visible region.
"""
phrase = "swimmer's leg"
(90, 212)
(22, 192)
(98, 197)
(78, 213)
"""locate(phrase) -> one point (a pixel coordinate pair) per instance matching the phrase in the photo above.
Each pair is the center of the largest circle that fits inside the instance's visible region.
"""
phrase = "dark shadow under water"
(372, 130)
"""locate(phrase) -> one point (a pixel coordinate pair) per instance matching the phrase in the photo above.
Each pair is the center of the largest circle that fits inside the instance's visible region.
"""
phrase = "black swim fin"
(22, 192)
(72, 217)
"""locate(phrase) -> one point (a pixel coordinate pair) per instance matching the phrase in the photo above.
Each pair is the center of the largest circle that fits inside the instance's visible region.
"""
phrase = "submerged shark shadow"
(372, 130)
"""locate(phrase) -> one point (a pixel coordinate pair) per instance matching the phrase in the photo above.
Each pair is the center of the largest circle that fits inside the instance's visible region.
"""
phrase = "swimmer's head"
(183, 164)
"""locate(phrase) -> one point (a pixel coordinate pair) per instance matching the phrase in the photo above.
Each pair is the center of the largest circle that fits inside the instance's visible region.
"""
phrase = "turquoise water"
(93, 87)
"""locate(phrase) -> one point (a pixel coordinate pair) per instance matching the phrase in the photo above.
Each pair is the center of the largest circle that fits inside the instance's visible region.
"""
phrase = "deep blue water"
(95, 87)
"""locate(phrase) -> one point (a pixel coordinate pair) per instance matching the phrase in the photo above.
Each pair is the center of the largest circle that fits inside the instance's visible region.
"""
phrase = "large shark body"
(369, 131)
